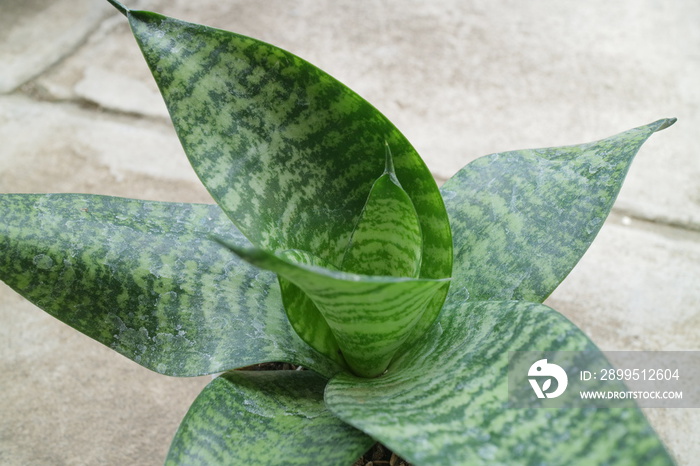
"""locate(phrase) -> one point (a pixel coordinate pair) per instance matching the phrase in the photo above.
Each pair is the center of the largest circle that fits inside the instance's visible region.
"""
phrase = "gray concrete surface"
(80, 113)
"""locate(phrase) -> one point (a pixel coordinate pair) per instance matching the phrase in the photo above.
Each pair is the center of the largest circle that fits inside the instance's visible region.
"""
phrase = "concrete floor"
(79, 113)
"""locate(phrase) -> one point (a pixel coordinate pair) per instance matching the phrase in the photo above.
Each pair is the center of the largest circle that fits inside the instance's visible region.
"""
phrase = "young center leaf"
(521, 220)
(386, 240)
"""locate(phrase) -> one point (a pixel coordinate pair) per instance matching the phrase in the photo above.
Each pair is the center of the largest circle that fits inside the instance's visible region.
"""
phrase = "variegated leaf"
(385, 242)
(146, 279)
(288, 152)
(446, 401)
(265, 418)
(521, 220)
(387, 237)
(370, 317)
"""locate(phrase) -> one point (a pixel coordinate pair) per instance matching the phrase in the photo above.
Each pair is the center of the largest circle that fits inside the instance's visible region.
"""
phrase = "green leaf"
(288, 152)
(370, 317)
(446, 401)
(119, 6)
(146, 279)
(265, 418)
(386, 242)
(387, 237)
(308, 322)
(521, 220)
(303, 314)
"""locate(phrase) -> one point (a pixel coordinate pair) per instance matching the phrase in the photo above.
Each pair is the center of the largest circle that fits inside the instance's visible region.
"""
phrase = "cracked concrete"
(79, 113)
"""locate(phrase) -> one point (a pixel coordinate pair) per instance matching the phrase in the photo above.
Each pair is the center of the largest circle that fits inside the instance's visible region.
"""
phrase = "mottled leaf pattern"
(371, 317)
(308, 321)
(294, 159)
(265, 418)
(146, 279)
(385, 242)
(521, 220)
(286, 150)
(387, 237)
(446, 401)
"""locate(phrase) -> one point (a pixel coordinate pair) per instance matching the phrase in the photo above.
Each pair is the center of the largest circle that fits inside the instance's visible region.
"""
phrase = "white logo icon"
(543, 369)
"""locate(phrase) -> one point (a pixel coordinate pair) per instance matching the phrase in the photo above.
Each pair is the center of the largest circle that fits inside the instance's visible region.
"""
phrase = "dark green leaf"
(265, 418)
(308, 321)
(521, 220)
(385, 241)
(288, 152)
(446, 401)
(387, 237)
(370, 317)
(146, 279)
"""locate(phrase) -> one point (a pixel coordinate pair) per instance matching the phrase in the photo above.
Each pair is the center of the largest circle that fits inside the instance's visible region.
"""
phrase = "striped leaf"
(288, 152)
(385, 242)
(146, 279)
(387, 237)
(308, 322)
(446, 401)
(265, 418)
(370, 317)
(521, 220)
(304, 315)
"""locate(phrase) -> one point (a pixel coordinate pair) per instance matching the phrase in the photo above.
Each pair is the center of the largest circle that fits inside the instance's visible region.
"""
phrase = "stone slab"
(61, 147)
(68, 400)
(108, 71)
(36, 34)
(636, 288)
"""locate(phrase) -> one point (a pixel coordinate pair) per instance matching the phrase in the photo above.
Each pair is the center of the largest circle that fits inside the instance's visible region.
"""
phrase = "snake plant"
(330, 247)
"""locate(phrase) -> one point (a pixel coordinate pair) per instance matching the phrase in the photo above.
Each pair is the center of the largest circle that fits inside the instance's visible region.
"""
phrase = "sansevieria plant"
(331, 248)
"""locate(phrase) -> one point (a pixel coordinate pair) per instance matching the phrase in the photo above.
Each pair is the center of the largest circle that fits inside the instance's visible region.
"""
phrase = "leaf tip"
(238, 250)
(389, 160)
(663, 123)
(121, 8)
(389, 165)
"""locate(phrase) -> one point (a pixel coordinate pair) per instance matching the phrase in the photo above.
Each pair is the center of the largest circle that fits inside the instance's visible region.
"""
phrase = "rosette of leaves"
(330, 247)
